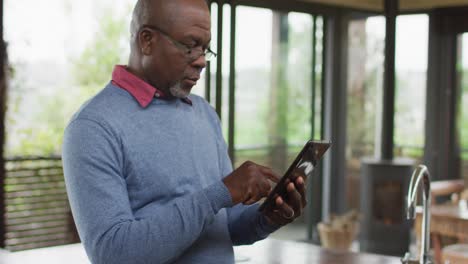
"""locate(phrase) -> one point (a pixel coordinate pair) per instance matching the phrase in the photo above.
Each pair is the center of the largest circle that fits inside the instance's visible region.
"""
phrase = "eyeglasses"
(192, 53)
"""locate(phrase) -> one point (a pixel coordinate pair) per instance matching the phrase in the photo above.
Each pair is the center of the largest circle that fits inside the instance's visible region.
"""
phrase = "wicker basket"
(337, 238)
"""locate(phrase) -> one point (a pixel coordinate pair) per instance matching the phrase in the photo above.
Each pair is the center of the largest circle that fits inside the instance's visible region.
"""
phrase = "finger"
(266, 188)
(248, 195)
(284, 208)
(300, 181)
(301, 188)
(279, 201)
(269, 173)
(275, 214)
(263, 189)
(259, 190)
(295, 175)
(294, 199)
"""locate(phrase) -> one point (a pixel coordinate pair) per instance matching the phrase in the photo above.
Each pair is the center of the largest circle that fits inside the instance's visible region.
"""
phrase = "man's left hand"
(287, 209)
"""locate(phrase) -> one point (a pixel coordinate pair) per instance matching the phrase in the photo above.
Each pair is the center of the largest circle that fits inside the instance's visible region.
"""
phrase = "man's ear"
(145, 41)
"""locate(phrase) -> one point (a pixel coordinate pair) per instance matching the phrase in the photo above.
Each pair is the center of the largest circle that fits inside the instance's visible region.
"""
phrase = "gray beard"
(177, 91)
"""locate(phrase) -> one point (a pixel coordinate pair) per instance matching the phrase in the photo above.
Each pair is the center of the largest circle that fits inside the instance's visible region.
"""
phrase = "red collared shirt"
(142, 91)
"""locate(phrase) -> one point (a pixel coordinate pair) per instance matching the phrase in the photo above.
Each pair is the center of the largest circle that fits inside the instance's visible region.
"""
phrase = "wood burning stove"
(384, 185)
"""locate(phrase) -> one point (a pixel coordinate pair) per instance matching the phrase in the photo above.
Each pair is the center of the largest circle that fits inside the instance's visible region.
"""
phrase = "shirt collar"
(142, 91)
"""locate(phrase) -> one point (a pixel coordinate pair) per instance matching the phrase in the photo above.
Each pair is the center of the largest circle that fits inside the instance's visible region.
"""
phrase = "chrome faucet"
(420, 175)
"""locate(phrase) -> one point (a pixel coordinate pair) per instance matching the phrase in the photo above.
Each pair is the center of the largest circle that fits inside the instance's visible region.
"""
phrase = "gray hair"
(143, 13)
(140, 16)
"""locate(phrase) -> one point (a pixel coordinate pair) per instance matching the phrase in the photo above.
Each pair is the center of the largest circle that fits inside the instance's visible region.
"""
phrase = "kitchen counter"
(269, 251)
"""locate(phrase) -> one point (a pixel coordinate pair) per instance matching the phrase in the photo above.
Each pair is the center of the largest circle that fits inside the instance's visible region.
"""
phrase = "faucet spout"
(421, 177)
(411, 212)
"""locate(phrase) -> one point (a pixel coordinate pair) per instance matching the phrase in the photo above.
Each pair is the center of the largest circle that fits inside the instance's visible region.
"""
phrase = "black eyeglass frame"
(193, 53)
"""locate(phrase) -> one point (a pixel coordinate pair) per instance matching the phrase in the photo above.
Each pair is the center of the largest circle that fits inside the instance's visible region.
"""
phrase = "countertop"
(269, 251)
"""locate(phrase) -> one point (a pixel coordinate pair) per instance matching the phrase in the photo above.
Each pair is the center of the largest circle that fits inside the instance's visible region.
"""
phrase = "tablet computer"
(303, 165)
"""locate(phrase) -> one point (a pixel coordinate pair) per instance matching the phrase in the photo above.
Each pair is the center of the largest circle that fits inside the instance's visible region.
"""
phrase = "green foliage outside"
(299, 113)
(45, 138)
(91, 72)
(93, 69)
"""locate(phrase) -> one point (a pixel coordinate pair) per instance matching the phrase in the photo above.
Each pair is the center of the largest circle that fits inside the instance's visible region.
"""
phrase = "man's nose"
(200, 62)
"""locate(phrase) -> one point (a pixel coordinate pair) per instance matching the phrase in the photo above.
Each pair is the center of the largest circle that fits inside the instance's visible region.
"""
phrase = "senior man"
(146, 166)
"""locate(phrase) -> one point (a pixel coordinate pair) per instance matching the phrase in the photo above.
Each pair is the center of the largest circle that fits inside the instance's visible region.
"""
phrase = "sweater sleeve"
(247, 225)
(93, 168)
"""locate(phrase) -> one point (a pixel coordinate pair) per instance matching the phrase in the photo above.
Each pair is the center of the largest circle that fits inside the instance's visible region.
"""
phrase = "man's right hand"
(250, 182)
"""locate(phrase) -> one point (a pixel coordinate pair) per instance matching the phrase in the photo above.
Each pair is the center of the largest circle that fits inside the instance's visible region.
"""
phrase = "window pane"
(274, 89)
(299, 84)
(253, 77)
(318, 72)
(273, 93)
(411, 69)
(365, 81)
(463, 110)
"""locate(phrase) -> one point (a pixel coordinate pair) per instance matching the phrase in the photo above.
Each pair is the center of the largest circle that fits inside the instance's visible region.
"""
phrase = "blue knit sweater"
(145, 184)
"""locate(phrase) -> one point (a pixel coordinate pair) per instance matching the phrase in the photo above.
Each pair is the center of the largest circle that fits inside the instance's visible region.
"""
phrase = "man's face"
(177, 59)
